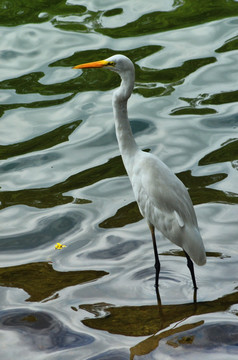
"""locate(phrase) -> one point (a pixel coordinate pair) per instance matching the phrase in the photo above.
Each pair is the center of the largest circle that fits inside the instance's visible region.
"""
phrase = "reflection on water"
(211, 338)
(41, 281)
(42, 331)
(62, 179)
(227, 152)
(150, 320)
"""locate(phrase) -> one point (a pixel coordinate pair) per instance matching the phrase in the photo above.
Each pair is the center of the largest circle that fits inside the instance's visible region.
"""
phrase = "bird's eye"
(110, 63)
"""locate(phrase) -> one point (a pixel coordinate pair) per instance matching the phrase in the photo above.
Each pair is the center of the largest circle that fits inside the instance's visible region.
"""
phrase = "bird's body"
(162, 198)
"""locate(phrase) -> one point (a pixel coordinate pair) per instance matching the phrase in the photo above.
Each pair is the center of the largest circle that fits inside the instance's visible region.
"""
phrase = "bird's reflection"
(160, 306)
(158, 297)
(153, 321)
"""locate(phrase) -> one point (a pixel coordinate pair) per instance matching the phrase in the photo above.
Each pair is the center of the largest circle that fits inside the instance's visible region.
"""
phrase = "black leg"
(191, 268)
(158, 296)
(195, 295)
(157, 263)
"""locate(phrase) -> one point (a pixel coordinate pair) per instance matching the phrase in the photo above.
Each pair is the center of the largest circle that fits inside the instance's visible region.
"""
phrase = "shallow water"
(62, 180)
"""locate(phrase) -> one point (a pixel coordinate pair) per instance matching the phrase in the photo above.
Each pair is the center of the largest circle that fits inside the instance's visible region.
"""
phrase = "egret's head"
(117, 63)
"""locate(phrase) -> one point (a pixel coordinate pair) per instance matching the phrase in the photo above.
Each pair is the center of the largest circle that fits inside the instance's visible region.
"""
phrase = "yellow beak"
(94, 64)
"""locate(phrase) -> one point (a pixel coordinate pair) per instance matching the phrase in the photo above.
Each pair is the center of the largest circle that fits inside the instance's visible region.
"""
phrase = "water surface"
(62, 180)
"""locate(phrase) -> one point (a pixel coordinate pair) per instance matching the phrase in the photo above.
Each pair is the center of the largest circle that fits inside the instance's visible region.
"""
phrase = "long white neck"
(126, 141)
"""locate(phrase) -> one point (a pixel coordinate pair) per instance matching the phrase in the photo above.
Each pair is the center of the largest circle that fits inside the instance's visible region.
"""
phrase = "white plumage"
(164, 201)
(162, 198)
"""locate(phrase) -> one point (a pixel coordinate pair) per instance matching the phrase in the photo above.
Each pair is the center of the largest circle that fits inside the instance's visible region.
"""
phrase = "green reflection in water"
(30, 84)
(125, 215)
(35, 104)
(53, 196)
(151, 319)
(86, 81)
(211, 340)
(103, 53)
(230, 45)
(41, 281)
(69, 26)
(147, 80)
(192, 111)
(171, 77)
(148, 320)
(194, 108)
(113, 12)
(201, 194)
(227, 152)
(190, 13)
(151, 343)
(176, 73)
(187, 13)
(42, 142)
(18, 12)
(225, 97)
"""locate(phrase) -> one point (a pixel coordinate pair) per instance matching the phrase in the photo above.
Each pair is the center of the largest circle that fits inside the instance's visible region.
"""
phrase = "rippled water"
(62, 179)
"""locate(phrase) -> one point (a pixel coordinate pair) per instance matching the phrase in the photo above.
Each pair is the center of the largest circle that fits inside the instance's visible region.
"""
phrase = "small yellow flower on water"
(59, 246)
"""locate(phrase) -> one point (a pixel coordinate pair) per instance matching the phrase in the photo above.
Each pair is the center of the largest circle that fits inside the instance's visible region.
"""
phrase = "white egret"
(162, 198)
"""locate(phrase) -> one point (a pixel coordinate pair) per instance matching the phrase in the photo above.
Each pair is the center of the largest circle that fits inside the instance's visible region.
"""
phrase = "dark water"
(62, 179)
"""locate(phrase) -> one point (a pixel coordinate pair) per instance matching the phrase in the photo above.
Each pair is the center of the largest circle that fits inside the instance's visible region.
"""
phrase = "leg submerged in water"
(157, 263)
(191, 268)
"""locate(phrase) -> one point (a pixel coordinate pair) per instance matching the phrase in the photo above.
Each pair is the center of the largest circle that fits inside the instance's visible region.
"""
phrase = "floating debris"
(59, 246)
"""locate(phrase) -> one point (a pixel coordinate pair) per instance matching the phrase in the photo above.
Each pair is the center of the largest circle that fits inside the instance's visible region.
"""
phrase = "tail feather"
(193, 245)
